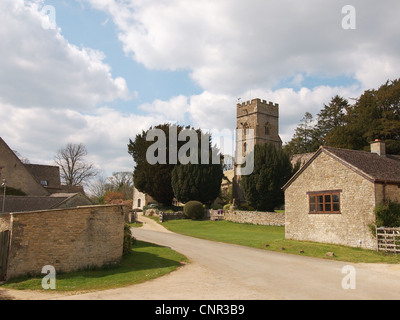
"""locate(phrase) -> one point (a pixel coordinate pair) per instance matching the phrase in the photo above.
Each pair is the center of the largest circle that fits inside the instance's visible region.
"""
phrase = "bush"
(128, 240)
(194, 210)
(227, 207)
(246, 207)
(388, 214)
(12, 192)
(216, 206)
(110, 197)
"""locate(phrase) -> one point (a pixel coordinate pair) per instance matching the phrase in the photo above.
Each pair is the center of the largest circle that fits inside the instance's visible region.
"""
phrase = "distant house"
(141, 200)
(332, 198)
(40, 184)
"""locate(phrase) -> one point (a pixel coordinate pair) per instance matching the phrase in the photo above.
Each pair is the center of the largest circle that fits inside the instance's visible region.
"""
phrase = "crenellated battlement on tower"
(258, 106)
(258, 102)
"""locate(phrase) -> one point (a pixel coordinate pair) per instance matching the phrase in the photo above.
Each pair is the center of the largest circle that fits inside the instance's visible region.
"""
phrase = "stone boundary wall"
(255, 217)
(166, 216)
(67, 239)
(4, 222)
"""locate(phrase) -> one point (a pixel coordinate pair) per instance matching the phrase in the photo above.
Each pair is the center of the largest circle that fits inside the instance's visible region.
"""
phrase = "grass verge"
(273, 239)
(146, 262)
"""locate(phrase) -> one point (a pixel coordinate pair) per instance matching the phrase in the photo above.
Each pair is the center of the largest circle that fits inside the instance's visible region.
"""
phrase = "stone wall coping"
(58, 210)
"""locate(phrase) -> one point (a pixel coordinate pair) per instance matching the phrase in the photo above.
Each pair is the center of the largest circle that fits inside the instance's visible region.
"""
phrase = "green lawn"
(273, 238)
(147, 262)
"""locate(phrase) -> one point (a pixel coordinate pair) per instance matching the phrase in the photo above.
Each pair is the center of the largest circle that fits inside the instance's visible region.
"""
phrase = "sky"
(98, 72)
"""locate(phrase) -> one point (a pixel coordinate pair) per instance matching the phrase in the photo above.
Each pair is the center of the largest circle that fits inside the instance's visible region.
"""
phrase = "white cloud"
(232, 45)
(173, 110)
(52, 92)
(39, 68)
(234, 48)
(39, 133)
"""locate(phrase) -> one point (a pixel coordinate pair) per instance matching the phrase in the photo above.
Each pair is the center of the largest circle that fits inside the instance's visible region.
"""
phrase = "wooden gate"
(4, 245)
(388, 239)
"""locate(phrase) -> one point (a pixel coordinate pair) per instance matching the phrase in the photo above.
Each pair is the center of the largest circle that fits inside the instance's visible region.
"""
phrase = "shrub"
(128, 240)
(227, 207)
(111, 197)
(216, 206)
(194, 210)
(246, 207)
(12, 192)
(388, 214)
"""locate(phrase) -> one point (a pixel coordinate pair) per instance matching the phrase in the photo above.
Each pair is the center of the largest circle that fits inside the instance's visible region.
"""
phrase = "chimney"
(378, 147)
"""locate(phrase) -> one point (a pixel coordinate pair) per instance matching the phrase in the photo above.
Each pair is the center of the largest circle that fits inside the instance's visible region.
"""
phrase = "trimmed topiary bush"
(194, 210)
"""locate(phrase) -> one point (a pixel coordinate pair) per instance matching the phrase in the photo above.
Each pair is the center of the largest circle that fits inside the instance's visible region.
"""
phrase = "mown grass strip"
(273, 239)
(146, 262)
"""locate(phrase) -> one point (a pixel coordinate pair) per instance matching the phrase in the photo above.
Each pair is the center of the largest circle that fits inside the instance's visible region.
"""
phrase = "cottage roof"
(23, 204)
(371, 166)
(50, 174)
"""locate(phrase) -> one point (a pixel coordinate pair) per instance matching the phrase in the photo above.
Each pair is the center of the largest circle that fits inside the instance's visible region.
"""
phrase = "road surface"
(221, 271)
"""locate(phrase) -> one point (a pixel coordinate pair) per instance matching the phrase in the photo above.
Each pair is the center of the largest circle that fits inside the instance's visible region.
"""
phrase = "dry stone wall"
(68, 239)
(255, 217)
(4, 222)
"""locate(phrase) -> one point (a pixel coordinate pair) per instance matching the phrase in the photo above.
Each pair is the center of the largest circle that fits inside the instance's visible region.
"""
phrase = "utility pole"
(4, 185)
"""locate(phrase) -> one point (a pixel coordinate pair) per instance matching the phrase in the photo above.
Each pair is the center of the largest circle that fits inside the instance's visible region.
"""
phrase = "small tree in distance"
(75, 169)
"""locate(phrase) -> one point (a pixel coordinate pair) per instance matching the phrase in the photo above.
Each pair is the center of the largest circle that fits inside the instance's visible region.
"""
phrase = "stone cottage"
(40, 185)
(332, 198)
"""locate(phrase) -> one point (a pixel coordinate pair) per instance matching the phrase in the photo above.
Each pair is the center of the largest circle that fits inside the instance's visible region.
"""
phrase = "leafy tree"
(154, 180)
(331, 121)
(272, 169)
(304, 140)
(197, 182)
(190, 179)
(374, 115)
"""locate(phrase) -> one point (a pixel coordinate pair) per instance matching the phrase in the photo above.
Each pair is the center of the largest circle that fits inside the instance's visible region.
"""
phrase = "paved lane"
(221, 271)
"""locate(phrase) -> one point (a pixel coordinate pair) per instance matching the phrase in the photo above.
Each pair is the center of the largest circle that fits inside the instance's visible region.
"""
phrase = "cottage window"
(324, 202)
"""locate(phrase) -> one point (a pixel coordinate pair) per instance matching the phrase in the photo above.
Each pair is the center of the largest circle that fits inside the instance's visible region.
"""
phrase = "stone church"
(257, 124)
(258, 117)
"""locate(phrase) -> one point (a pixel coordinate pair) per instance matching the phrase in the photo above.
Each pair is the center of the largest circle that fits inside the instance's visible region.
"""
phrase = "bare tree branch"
(75, 170)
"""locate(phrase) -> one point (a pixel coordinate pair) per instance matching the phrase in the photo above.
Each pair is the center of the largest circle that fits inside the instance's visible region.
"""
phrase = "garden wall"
(166, 216)
(4, 222)
(67, 239)
(255, 217)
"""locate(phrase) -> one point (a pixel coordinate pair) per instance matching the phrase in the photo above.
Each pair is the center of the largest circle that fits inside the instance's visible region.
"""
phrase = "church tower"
(262, 118)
